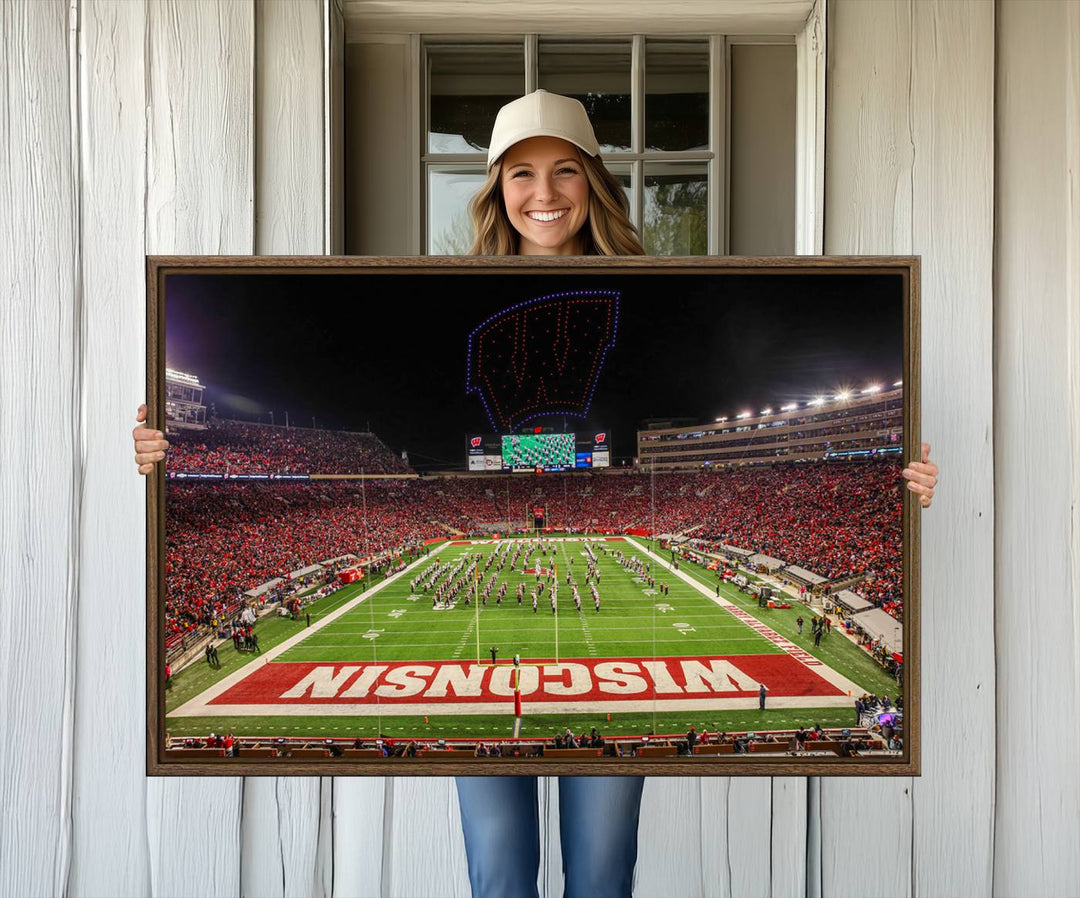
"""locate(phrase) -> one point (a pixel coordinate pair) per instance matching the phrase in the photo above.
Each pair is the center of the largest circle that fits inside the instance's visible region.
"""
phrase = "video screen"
(546, 451)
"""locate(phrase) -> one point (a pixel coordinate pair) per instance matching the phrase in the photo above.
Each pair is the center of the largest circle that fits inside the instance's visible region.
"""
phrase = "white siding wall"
(1037, 449)
(910, 151)
(134, 127)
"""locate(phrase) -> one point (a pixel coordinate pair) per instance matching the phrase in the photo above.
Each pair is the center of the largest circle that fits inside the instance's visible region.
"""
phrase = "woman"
(547, 193)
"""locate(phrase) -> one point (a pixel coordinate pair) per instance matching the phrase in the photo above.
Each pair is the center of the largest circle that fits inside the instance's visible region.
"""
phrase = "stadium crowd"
(240, 447)
(224, 538)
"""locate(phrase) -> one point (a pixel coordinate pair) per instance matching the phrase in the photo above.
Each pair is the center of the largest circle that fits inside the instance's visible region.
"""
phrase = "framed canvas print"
(545, 516)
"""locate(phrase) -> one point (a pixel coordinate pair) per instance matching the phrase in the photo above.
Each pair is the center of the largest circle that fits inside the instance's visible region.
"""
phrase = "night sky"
(389, 351)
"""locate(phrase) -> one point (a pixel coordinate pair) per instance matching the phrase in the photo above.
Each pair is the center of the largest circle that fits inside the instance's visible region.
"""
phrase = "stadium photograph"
(494, 514)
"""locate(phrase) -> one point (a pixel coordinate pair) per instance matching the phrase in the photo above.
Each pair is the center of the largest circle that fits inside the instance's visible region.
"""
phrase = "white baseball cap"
(541, 114)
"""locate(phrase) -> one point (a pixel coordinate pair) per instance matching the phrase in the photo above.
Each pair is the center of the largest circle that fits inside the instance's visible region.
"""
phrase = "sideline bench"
(257, 752)
(721, 748)
(561, 754)
(658, 751)
(195, 753)
(444, 754)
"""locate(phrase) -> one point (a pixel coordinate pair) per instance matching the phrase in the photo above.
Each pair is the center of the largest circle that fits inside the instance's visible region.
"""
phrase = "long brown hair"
(607, 231)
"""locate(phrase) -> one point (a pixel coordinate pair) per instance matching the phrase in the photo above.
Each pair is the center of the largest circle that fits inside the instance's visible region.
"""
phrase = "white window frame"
(810, 124)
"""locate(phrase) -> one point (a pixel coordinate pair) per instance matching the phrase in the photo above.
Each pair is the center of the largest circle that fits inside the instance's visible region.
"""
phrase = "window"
(660, 110)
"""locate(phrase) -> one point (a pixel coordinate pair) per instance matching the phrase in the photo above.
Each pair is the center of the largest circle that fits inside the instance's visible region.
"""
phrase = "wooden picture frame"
(881, 292)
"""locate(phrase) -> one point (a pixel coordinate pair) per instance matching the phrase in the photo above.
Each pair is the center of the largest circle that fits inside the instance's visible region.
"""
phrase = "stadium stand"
(236, 446)
(837, 520)
(855, 425)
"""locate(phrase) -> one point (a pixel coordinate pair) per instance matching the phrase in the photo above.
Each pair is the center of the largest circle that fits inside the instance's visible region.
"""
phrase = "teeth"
(547, 216)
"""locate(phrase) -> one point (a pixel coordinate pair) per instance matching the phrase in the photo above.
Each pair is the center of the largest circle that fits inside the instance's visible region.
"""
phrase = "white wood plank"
(670, 836)
(736, 856)
(360, 810)
(282, 816)
(289, 128)
(109, 812)
(788, 839)
(953, 230)
(750, 819)
(866, 837)
(910, 171)
(199, 200)
(423, 845)
(869, 158)
(40, 444)
(1037, 827)
(868, 151)
(715, 824)
(280, 837)
(193, 830)
(200, 186)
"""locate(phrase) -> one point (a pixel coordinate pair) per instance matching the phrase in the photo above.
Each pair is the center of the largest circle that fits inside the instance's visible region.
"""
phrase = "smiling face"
(546, 195)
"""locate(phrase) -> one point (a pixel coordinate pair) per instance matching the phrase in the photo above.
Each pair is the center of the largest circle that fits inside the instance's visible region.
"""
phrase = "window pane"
(676, 209)
(676, 95)
(623, 175)
(467, 84)
(597, 74)
(449, 191)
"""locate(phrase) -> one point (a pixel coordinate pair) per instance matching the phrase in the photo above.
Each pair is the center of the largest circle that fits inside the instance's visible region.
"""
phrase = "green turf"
(465, 726)
(633, 621)
(397, 625)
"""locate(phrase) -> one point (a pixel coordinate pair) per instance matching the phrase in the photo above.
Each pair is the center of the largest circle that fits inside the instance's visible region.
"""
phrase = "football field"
(391, 656)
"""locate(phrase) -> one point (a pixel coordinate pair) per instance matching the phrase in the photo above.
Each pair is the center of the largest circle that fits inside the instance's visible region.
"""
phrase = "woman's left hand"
(922, 477)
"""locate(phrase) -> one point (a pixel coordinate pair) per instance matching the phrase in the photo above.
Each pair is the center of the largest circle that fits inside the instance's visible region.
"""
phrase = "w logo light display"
(542, 356)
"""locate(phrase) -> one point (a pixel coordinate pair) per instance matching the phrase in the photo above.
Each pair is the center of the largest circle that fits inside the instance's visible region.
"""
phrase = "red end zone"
(607, 680)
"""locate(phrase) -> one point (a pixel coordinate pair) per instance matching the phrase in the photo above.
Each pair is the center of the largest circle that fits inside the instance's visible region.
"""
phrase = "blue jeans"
(598, 822)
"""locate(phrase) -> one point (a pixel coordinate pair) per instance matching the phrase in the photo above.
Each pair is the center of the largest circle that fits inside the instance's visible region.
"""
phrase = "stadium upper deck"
(851, 427)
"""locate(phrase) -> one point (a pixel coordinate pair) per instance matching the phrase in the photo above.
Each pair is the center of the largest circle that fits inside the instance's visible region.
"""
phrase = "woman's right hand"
(150, 445)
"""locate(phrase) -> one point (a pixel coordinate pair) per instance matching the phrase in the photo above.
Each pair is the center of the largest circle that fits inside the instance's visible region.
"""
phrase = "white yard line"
(590, 646)
(464, 637)
(198, 704)
(782, 642)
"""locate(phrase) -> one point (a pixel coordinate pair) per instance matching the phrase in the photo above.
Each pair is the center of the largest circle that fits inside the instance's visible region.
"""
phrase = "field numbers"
(373, 634)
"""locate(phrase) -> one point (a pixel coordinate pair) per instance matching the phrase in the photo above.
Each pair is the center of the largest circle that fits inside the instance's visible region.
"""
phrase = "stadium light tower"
(721, 420)
(899, 383)
(790, 407)
(843, 395)
(817, 400)
(766, 411)
(873, 388)
(739, 417)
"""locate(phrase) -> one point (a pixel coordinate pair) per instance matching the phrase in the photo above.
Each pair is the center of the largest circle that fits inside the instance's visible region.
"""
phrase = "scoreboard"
(529, 451)
(537, 451)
